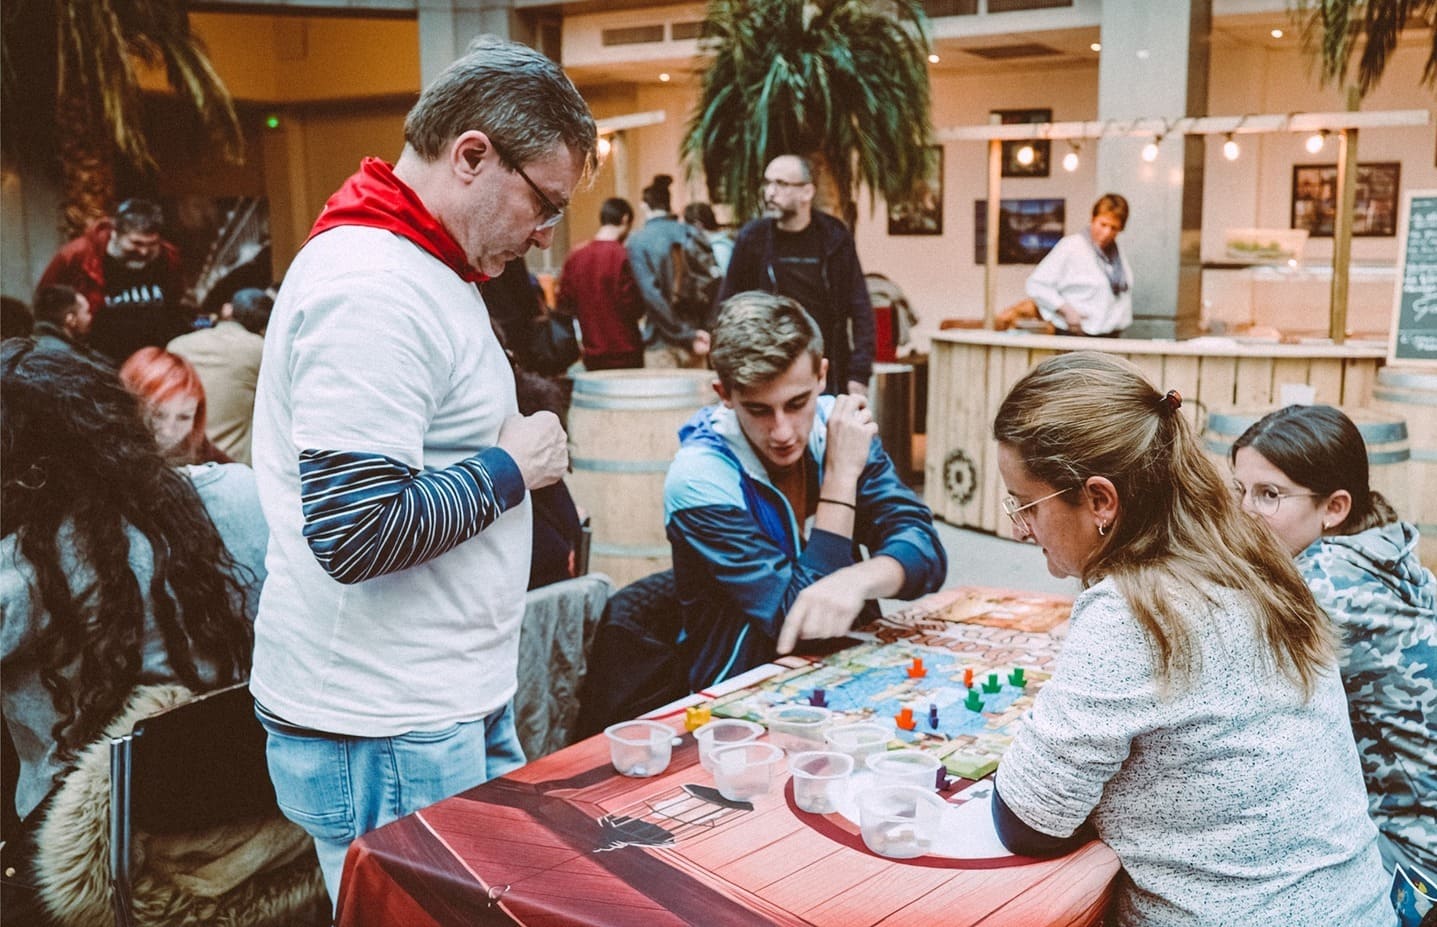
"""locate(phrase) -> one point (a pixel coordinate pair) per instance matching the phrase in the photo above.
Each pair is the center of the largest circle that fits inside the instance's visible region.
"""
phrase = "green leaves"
(1333, 29)
(844, 82)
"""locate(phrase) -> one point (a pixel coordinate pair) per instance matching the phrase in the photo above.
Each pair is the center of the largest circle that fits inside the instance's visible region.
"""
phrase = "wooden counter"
(970, 372)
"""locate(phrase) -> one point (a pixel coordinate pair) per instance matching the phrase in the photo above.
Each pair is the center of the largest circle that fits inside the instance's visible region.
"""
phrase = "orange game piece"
(904, 719)
(916, 671)
(968, 677)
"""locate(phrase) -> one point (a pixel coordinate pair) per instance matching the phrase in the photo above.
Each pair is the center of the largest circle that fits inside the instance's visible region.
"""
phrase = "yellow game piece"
(696, 716)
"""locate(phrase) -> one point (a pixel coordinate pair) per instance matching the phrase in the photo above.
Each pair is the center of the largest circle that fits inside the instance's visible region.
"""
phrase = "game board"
(877, 682)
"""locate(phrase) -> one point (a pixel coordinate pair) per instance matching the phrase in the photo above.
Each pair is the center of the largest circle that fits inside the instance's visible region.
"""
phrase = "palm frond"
(843, 80)
(1332, 31)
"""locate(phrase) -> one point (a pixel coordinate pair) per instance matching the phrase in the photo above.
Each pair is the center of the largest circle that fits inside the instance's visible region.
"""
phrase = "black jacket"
(751, 268)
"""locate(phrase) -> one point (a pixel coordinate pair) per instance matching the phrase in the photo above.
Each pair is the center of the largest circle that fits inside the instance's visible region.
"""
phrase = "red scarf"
(374, 197)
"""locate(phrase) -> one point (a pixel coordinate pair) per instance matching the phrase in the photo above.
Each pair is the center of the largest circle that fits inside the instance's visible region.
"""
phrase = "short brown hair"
(510, 92)
(1113, 203)
(758, 337)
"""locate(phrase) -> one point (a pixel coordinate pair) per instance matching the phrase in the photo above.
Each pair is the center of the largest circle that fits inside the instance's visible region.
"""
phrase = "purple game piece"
(818, 699)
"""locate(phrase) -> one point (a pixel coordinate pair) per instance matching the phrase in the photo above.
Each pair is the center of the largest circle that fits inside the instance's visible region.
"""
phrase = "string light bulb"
(1070, 161)
(605, 146)
(1150, 150)
(1230, 149)
(1316, 141)
(1026, 155)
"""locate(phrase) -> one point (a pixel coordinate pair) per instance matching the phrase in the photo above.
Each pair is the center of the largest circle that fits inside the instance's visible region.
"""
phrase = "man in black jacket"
(809, 256)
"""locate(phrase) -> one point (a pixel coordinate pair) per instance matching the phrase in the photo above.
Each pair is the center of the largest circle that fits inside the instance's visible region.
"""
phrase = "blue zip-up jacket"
(739, 562)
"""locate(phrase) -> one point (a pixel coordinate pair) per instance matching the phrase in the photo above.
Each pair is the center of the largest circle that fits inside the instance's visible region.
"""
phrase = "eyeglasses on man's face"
(1265, 498)
(1014, 511)
(549, 214)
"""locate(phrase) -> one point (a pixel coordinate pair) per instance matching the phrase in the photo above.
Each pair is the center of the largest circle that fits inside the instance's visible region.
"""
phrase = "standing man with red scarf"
(393, 465)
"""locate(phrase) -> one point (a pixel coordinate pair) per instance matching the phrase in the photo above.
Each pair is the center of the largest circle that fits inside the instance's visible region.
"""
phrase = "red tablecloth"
(567, 841)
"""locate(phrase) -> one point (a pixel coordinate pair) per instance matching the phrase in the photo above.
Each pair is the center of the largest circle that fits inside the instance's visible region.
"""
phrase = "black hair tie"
(1171, 402)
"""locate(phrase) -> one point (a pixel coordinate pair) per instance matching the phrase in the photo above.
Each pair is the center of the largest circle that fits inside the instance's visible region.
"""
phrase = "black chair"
(636, 663)
(193, 767)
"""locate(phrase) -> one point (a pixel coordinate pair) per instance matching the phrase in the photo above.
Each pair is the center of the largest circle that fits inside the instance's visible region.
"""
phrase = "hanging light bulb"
(605, 146)
(1230, 149)
(1070, 161)
(1025, 155)
(1150, 150)
(1315, 141)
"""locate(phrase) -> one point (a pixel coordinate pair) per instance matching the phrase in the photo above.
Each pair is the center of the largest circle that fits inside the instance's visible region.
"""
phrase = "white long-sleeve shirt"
(1073, 274)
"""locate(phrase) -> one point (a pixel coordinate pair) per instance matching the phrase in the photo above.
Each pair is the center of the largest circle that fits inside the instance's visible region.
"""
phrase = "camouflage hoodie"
(1385, 601)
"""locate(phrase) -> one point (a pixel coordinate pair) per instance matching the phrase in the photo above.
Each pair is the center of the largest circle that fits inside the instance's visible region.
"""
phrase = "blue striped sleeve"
(367, 515)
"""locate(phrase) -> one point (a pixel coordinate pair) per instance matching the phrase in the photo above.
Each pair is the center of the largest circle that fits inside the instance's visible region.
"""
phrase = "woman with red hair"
(174, 401)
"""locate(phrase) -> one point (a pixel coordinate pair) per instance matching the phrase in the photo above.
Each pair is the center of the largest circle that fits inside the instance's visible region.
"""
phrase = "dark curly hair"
(79, 467)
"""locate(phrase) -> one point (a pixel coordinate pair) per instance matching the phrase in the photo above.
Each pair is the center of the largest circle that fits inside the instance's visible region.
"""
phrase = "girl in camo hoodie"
(1304, 470)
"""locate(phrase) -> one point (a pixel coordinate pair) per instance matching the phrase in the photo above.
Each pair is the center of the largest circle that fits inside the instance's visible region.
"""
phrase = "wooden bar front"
(969, 373)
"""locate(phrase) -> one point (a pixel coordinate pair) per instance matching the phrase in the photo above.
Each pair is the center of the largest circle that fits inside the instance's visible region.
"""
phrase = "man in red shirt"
(597, 287)
(131, 278)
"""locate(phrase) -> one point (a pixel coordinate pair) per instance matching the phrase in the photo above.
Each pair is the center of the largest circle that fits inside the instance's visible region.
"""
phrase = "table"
(563, 840)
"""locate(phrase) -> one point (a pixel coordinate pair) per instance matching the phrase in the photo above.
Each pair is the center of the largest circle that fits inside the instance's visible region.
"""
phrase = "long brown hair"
(1320, 449)
(1178, 531)
(80, 469)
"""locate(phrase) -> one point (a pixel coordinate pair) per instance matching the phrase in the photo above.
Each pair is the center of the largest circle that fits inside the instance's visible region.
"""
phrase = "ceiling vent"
(937, 8)
(633, 35)
(693, 29)
(1017, 50)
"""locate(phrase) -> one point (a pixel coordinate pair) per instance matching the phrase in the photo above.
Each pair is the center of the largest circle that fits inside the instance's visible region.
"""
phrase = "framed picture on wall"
(1374, 213)
(1013, 165)
(923, 214)
(1027, 229)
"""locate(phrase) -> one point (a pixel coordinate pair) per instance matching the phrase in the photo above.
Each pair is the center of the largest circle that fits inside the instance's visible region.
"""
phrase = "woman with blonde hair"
(174, 401)
(1195, 722)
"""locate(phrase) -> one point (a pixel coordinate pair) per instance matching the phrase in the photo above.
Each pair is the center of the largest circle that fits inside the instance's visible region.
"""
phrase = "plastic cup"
(820, 778)
(744, 771)
(905, 767)
(798, 727)
(899, 821)
(724, 733)
(857, 740)
(640, 748)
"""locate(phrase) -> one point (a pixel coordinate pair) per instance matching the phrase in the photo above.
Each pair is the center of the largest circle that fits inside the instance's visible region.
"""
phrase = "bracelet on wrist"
(847, 505)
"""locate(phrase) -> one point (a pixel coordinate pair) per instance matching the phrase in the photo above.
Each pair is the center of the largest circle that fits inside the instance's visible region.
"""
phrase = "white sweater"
(1232, 802)
(1071, 273)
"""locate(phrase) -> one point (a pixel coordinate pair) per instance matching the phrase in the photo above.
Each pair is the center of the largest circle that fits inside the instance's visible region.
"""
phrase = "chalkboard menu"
(1414, 327)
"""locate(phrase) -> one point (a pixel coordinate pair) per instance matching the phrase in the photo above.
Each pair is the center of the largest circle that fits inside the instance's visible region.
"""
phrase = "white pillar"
(1155, 64)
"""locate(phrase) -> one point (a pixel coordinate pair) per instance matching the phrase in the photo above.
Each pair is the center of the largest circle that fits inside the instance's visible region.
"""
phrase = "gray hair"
(517, 96)
(758, 337)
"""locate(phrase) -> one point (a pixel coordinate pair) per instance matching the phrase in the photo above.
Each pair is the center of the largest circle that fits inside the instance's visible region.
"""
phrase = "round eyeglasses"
(1264, 498)
(1014, 511)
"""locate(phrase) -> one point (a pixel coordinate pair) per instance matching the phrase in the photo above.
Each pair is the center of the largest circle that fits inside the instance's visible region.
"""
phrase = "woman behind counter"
(1084, 285)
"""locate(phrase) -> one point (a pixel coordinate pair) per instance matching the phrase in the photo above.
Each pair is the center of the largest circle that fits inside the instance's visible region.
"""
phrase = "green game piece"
(992, 685)
(1016, 679)
(973, 702)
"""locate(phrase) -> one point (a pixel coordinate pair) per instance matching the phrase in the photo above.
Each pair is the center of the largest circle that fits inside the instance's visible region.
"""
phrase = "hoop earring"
(32, 478)
(1102, 530)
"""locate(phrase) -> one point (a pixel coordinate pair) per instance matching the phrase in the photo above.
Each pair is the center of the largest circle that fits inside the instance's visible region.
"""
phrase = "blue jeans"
(337, 788)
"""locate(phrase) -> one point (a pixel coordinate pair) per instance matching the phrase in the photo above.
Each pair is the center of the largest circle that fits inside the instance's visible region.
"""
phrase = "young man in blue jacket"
(754, 574)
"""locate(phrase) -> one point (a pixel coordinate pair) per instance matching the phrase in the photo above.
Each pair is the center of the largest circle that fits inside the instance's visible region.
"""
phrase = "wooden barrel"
(1388, 449)
(623, 433)
(1413, 395)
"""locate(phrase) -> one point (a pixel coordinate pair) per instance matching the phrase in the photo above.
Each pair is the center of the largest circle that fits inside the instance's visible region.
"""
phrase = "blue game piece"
(933, 716)
(818, 699)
